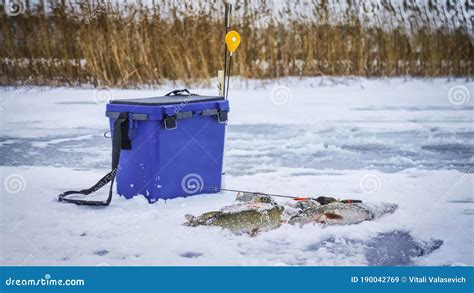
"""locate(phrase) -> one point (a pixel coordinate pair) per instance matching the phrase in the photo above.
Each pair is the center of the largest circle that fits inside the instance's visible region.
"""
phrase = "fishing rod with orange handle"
(227, 21)
(297, 198)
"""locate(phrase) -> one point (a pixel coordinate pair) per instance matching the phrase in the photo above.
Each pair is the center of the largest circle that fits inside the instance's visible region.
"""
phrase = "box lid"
(173, 104)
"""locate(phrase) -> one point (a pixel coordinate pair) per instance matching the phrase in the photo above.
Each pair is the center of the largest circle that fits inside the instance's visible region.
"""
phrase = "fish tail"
(192, 220)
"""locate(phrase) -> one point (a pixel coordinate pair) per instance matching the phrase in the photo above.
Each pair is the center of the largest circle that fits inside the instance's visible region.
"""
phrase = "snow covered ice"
(402, 141)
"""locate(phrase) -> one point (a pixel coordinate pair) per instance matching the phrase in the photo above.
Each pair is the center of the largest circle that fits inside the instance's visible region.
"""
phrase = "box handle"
(180, 93)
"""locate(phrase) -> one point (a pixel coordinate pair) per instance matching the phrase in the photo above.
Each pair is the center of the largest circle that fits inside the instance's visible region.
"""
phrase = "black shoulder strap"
(120, 140)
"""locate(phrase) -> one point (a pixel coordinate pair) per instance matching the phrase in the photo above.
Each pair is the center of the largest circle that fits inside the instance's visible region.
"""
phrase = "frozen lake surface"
(408, 142)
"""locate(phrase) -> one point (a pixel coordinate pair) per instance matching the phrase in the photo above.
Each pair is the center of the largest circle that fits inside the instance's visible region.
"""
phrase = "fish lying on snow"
(331, 211)
(254, 213)
(257, 212)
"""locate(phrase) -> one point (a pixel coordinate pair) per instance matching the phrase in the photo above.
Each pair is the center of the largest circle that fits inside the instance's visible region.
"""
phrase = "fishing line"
(245, 191)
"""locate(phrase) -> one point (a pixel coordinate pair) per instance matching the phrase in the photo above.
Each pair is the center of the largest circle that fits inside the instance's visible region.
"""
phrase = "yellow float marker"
(232, 40)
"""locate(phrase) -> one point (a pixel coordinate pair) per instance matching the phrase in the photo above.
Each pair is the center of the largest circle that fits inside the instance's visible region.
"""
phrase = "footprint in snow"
(190, 254)
(101, 252)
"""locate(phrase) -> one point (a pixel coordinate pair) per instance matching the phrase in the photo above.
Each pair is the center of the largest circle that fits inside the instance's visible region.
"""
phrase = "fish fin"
(254, 232)
(332, 216)
(192, 220)
(209, 216)
(238, 196)
(190, 217)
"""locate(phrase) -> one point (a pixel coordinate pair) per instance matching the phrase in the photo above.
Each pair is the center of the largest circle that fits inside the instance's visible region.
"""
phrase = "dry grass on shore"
(60, 42)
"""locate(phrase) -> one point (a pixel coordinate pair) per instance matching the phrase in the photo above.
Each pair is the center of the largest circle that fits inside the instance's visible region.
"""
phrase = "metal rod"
(227, 11)
(228, 78)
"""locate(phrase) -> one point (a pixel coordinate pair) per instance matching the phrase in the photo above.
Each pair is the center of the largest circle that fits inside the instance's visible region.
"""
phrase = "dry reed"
(100, 43)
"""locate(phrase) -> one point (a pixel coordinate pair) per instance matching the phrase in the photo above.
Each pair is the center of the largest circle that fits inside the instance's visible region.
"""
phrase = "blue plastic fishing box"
(177, 145)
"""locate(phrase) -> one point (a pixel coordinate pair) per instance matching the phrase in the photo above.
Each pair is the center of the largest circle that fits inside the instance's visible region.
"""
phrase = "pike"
(257, 212)
(253, 213)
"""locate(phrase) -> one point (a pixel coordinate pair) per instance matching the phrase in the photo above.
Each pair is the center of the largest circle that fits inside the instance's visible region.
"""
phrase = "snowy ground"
(408, 142)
